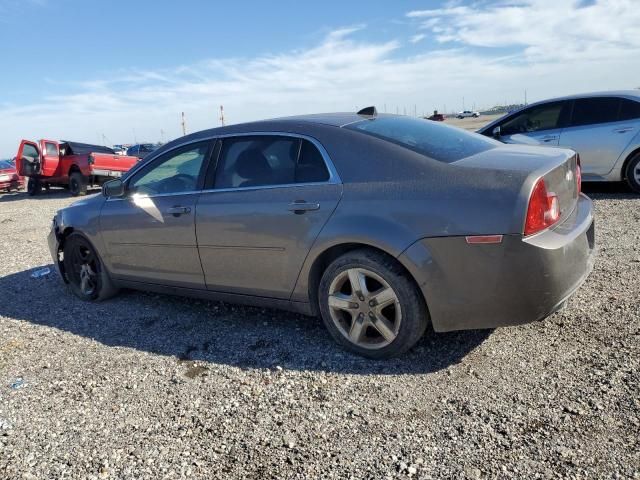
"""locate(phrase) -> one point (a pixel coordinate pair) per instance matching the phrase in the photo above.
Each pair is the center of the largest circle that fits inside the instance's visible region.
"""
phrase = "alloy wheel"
(364, 308)
(85, 269)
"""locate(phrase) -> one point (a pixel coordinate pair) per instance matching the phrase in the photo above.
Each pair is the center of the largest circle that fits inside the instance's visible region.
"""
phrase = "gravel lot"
(148, 386)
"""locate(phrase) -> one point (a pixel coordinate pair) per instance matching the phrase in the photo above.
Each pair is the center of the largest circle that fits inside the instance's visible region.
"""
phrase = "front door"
(543, 123)
(258, 219)
(28, 161)
(149, 234)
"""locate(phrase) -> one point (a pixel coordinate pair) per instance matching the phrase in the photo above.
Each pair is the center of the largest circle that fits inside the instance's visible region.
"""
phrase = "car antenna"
(370, 112)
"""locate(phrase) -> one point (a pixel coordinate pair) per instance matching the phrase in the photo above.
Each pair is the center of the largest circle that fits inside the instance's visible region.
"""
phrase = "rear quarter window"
(438, 142)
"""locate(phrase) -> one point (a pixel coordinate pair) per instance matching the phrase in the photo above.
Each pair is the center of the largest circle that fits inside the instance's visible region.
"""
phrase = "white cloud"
(584, 49)
(418, 37)
(545, 29)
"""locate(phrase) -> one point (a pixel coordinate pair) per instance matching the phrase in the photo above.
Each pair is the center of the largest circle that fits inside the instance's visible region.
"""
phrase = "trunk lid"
(556, 166)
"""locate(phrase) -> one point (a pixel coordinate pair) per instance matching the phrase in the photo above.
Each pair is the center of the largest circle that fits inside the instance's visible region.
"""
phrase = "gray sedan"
(604, 128)
(380, 224)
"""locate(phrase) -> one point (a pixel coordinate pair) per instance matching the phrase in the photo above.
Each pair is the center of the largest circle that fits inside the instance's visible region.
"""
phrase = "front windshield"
(439, 142)
(6, 164)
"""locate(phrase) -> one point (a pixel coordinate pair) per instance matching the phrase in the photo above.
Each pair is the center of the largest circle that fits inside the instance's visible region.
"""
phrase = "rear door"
(51, 157)
(543, 123)
(261, 212)
(28, 161)
(600, 130)
(149, 234)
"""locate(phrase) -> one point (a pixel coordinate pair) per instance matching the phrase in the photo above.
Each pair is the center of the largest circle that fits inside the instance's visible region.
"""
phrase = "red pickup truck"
(68, 164)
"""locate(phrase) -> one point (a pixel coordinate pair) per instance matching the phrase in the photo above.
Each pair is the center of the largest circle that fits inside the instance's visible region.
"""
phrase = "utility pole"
(385, 108)
(221, 115)
(184, 127)
(463, 104)
(415, 110)
(162, 135)
(525, 97)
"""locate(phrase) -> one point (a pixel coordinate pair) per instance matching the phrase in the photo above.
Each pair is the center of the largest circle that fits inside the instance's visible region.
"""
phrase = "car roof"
(606, 93)
(634, 94)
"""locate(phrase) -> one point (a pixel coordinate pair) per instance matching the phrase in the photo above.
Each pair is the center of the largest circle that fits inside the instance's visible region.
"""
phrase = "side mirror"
(113, 188)
(496, 132)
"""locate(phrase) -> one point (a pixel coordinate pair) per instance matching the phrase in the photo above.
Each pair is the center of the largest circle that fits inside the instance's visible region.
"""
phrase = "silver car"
(380, 224)
(604, 128)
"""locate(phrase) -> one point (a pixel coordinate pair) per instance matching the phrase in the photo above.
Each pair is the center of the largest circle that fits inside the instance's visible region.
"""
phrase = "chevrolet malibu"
(380, 224)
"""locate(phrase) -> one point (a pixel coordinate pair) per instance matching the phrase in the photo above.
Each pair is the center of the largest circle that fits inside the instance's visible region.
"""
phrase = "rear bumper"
(517, 281)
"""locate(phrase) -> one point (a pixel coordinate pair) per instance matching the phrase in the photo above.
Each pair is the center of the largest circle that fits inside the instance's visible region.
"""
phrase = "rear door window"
(51, 149)
(537, 118)
(264, 160)
(591, 111)
(629, 109)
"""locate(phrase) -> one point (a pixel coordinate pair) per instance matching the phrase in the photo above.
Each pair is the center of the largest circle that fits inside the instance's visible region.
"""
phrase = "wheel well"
(74, 168)
(324, 260)
(626, 162)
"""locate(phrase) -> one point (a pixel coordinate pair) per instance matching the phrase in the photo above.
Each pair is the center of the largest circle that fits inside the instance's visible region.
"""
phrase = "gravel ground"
(149, 386)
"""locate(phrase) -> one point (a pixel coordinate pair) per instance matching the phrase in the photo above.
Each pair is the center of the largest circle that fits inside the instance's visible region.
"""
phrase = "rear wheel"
(370, 305)
(34, 186)
(87, 277)
(633, 173)
(77, 184)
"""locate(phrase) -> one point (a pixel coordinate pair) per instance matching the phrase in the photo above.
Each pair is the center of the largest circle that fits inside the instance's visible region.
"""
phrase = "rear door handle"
(549, 138)
(623, 129)
(300, 206)
(178, 210)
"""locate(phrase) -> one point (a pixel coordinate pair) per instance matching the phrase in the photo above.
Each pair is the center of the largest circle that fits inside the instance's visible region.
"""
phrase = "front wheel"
(34, 186)
(633, 173)
(87, 277)
(371, 306)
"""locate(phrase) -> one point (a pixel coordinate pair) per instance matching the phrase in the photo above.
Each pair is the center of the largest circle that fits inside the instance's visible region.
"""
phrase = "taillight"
(543, 210)
(578, 174)
(90, 160)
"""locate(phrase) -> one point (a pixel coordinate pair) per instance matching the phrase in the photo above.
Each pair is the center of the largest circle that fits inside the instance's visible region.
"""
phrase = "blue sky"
(83, 69)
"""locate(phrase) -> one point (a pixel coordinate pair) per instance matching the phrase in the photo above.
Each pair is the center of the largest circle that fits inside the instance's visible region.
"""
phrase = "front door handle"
(300, 206)
(549, 138)
(623, 129)
(177, 210)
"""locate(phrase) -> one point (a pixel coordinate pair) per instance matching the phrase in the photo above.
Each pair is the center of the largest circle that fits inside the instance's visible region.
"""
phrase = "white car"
(468, 114)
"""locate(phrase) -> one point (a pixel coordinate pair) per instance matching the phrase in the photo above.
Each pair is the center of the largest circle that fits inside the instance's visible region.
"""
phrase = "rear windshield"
(434, 140)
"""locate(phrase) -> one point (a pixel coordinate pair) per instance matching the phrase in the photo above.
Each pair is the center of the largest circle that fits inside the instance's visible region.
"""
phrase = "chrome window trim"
(334, 178)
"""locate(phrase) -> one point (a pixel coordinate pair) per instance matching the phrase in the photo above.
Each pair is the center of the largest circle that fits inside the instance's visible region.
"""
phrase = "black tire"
(77, 184)
(34, 187)
(414, 317)
(99, 286)
(632, 173)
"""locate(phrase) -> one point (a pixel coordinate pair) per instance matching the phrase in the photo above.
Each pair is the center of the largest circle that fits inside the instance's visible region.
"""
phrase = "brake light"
(578, 174)
(90, 160)
(543, 210)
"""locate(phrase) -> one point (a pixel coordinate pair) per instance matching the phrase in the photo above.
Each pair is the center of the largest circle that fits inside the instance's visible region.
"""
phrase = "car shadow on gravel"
(198, 333)
(609, 190)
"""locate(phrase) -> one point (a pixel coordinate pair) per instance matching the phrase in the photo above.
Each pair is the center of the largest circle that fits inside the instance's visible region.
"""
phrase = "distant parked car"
(141, 150)
(436, 117)
(381, 224)
(468, 114)
(9, 178)
(604, 128)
